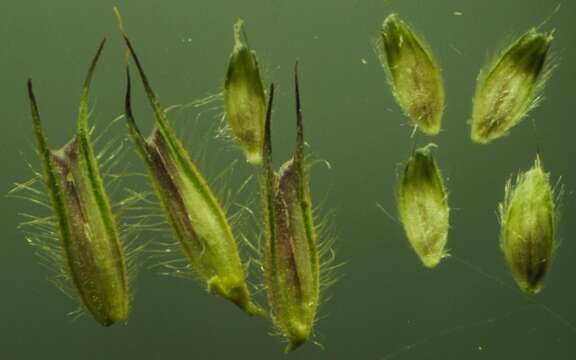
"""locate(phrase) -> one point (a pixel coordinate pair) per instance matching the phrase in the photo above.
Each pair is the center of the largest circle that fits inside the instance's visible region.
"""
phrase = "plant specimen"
(244, 99)
(509, 87)
(529, 218)
(423, 206)
(413, 74)
(198, 220)
(89, 239)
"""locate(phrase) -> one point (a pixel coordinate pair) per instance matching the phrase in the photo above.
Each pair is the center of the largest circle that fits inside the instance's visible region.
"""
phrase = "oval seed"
(244, 100)
(415, 78)
(528, 227)
(423, 207)
(508, 89)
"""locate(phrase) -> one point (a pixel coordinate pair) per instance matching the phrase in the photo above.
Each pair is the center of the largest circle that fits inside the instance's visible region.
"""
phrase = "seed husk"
(528, 218)
(291, 261)
(509, 87)
(197, 218)
(90, 241)
(244, 99)
(423, 207)
(413, 74)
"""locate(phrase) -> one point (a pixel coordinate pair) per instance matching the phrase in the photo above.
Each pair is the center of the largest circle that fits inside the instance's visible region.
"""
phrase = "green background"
(386, 305)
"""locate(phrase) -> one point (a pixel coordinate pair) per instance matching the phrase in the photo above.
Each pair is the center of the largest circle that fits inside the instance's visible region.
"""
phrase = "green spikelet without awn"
(508, 89)
(529, 219)
(413, 74)
(244, 99)
(423, 207)
(89, 237)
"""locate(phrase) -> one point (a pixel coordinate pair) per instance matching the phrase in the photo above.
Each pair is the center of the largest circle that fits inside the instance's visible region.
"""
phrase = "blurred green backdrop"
(386, 306)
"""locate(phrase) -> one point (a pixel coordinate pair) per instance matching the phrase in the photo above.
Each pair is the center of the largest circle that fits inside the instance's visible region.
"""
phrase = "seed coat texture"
(529, 219)
(509, 87)
(291, 261)
(423, 207)
(90, 241)
(244, 99)
(198, 220)
(413, 74)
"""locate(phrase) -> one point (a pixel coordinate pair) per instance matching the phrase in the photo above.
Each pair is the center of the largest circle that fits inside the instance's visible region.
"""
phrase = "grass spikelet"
(83, 220)
(415, 78)
(291, 258)
(508, 88)
(423, 207)
(197, 219)
(528, 218)
(244, 99)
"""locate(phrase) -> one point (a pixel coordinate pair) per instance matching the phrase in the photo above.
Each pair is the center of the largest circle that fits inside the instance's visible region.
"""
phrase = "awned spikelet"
(198, 220)
(291, 261)
(508, 89)
(415, 78)
(528, 218)
(423, 207)
(90, 242)
(244, 99)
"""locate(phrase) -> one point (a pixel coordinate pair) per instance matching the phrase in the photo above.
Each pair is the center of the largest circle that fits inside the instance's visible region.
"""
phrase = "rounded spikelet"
(528, 227)
(423, 207)
(413, 74)
(244, 99)
(509, 88)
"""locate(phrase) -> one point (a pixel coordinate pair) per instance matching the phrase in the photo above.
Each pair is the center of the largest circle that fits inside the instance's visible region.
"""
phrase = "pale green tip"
(431, 261)
(297, 337)
(238, 33)
(254, 158)
(532, 289)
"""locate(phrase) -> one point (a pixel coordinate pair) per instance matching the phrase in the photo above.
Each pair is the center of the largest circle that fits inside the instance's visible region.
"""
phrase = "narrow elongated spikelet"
(89, 236)
(413, 74)
(197, 218)
(291, 263)
(423, 207)
(528, 218)
(508, 89)
(244, 99)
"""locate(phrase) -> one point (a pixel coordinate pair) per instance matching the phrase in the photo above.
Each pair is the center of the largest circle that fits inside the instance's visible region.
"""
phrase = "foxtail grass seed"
(89, 236)
(423, 207)
(244, 99)
(509, 88)
(291, 261)
(197, 218)
(528, 232)
(413, 74)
